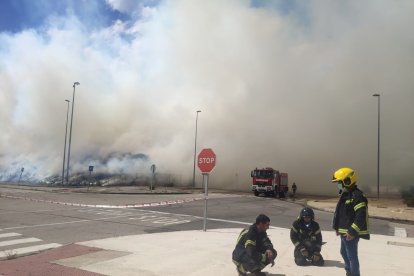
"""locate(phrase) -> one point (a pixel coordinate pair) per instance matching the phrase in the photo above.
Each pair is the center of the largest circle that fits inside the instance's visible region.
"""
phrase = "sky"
(282, 84)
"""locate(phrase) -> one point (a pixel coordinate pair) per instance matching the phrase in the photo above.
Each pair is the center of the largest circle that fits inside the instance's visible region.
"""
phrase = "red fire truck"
(270, 182)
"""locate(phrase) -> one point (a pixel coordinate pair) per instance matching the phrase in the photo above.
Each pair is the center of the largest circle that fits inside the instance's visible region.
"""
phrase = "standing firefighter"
(254, 250)
(306, 235)
(351, 218)
(294, 188)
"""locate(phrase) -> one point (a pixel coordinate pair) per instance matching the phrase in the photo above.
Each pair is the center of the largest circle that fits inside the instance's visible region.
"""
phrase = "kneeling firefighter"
(254, 250)
(306, 235)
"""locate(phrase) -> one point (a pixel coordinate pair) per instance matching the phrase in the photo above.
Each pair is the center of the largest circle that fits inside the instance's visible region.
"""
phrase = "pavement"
(202, 253)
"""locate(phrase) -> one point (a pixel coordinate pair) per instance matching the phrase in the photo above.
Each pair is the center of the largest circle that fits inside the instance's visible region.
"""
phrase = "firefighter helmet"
(345, 176)
(307, 212)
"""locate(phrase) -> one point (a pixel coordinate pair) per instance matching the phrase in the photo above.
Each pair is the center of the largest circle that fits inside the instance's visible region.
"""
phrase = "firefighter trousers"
(314, 258)
(247, 264)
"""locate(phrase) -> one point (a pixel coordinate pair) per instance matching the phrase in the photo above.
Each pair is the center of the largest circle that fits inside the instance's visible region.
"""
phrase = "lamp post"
(378, 150)
(195, 148)
(70, 133)
(64, 147)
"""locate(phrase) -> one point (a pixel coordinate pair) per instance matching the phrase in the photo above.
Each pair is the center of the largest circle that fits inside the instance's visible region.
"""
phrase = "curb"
(124, 206)
(405, 221)
(54, 189)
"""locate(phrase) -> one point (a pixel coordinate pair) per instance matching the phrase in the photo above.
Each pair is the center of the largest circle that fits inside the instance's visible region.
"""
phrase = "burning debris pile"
(125, 169)
(99, 179)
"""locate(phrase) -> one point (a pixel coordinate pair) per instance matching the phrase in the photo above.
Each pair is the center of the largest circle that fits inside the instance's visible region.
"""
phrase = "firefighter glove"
(304, 252)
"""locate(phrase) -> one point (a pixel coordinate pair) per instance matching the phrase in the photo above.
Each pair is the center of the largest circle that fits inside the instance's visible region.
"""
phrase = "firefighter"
(306, 235)
(294, 188)
(351, 218)
(254, 250)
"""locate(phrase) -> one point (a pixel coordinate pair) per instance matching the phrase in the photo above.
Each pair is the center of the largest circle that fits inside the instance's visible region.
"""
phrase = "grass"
(408, 196)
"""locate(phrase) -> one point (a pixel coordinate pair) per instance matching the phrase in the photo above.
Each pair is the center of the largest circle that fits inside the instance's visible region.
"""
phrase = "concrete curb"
(123, 206)
(330, 210)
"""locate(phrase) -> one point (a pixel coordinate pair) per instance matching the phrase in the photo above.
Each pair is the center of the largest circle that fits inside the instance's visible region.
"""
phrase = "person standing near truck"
(294, 188)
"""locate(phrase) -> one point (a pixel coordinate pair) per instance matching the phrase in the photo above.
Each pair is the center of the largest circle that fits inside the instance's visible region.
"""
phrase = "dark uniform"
(307, 240)
(351, 214)
(294, 188)
(351, 218)
(249, 254)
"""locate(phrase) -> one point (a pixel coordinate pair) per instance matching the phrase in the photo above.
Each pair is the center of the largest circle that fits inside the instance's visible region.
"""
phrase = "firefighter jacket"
(306, 236)
(351, 214)
(251, 245)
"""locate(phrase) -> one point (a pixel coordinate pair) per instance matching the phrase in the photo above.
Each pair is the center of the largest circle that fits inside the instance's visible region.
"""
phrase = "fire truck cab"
(269, 182)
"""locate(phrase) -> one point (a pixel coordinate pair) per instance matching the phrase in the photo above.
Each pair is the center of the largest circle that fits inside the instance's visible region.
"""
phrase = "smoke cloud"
(288, 87)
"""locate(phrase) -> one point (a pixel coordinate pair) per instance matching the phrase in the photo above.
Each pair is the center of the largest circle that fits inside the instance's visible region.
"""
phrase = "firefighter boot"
(317, 259)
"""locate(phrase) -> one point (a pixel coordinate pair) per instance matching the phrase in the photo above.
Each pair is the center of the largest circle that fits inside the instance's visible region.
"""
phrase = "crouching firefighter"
(306, 235)
(254, 250)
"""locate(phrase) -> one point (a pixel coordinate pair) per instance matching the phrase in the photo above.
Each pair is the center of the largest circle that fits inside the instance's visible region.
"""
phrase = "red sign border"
(215, 160)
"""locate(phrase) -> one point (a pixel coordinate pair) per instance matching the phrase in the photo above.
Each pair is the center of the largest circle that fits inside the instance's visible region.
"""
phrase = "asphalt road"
(30, 219)
(55, 223)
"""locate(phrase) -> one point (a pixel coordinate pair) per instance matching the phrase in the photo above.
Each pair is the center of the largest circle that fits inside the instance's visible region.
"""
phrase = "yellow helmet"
(345, 176)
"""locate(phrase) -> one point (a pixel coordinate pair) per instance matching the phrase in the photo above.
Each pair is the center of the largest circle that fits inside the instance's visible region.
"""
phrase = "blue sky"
(17, 15)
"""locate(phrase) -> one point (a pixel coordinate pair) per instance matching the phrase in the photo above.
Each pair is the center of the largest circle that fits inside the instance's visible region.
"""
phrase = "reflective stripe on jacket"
(252, 243)
(351, 214)
(299, 233)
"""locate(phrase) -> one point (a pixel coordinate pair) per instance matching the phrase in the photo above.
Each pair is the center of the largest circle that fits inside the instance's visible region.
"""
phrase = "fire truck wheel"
(256, 193)
(281, 195)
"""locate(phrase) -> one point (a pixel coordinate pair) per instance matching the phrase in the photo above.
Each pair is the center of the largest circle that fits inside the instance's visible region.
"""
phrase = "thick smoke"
(291, 90)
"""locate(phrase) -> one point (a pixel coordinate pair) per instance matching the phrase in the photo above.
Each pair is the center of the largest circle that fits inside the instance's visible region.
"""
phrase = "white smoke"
(292, 90)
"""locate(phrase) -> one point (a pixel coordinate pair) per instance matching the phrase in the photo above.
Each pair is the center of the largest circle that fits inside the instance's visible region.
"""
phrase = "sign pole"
(152, 178)
(205, 181)
(20, 177)
(206, 162)
(89, 184)
(90, 176)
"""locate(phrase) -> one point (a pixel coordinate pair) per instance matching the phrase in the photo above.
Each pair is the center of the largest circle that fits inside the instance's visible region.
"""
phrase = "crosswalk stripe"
(18, 252)
(7, 235)
(18, 241)
(400, 232)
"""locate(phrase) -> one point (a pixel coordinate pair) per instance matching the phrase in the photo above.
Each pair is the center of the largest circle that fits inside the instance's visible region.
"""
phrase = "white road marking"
(7, 235)
(48, 224)
(141, 213)
(18, 241)
(161, 220)
(145, 216)
(37, 211)
(400, 232)
(27, 250)
(87, 220)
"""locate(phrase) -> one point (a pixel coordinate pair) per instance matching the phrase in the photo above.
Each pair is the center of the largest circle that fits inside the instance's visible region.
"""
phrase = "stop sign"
(206, 160)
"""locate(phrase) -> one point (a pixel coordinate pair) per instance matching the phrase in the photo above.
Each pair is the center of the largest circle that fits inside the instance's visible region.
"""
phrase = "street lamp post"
(70, 133)
(378, 149)
(64, 147)
(195, 148)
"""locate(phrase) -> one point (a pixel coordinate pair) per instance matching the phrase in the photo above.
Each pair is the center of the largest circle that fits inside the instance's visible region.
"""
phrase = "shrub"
(408, 196)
